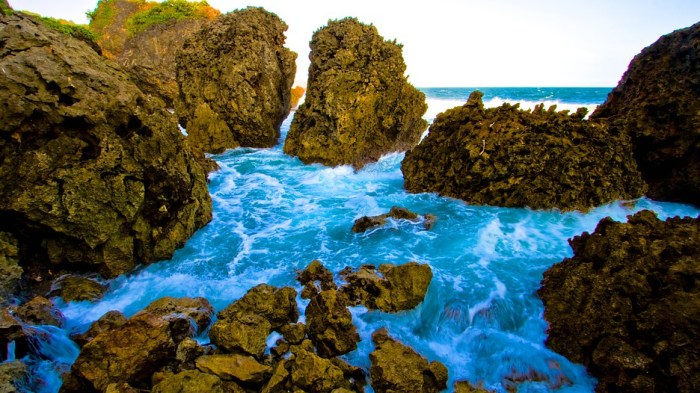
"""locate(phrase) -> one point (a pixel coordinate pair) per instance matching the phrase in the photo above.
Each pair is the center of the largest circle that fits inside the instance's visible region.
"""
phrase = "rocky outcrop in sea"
(505, 156)
(657, 103)
(143, 38)
(235, 78)
(627, 304)
(358, 105)
(94, 176)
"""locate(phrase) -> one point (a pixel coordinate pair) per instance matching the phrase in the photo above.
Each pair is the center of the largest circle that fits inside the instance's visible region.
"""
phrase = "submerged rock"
(95, 176)
(132, 352)
(235, 78)
(540, 159)
(11, 331)
(398, 368)
(12, 374)
(40, 311)
(76, 288)
(365, 223)
(329, 324)
(627, 304)
(398, 288)
(358, 105)
(657, 102)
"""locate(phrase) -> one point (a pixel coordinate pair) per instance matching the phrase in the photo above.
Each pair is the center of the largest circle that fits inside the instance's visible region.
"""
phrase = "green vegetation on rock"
(5, 8)
(167, 11)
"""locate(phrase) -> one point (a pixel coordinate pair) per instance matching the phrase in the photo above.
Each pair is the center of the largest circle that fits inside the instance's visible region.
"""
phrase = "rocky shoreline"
(97, 179)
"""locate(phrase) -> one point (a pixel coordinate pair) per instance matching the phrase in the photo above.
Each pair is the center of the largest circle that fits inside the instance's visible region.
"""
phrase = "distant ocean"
(571, 98)
(273, 215)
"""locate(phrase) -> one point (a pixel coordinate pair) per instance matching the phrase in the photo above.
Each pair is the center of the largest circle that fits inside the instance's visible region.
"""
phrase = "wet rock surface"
(191, 381)
(657, 102)
(627, 304)
(366, 223)
(235, 78)
(329, 324)
(12, 374)
(95, 176)
(76, 288)
(398, 368)
(390, 289)
(40, 311)
(10, 271)
(358, 105)
(110, 320)
(508, 157)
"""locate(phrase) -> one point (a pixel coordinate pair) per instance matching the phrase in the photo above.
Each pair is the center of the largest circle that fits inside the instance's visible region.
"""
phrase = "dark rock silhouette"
(627, 304)
(540, 159)
(95, 176)
(657, 102)
(366, 223)
(358, 105)
(235, 78)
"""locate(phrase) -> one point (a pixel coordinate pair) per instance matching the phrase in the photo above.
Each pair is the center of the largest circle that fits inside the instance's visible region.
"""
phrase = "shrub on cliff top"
(167, 11)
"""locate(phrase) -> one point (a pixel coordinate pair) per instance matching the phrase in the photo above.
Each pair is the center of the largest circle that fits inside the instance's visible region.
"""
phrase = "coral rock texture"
(509, 157)
(358, 105)
(235, 78)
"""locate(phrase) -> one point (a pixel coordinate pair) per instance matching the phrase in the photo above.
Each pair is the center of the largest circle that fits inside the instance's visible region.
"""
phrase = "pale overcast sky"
(476, 43)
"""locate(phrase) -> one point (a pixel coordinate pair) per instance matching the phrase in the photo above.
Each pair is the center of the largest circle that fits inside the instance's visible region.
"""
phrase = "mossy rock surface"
(505, 156)
(235, 78)
(627, 304)
(359, 104)
(95, 176)
(657, 103)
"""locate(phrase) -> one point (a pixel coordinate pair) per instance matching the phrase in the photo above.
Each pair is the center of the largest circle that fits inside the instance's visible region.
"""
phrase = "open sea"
(273, 215)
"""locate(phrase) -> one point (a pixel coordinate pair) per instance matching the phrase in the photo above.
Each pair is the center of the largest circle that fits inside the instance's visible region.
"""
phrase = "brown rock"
(197, 309)
(247, 334)
(240, 368)
(277, 305)
(121, 388)
(10, 271)
(466, 387)
(657, 103)
(235, 78)
(109, 321)
(40, 311)
(315, 278)
(76, 288)
(12, 376)
(358, 105)
(312, 373)
(627, 306)
(294, 333)
(11, 330)
(95, 176)
(398, 368)
(398, 288)
(279, 382)
(192, 381)
(329, 325)
(540, 159)
(365, 223)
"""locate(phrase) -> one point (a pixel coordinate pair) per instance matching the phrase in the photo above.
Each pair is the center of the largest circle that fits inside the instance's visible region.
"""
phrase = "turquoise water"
(273, 215)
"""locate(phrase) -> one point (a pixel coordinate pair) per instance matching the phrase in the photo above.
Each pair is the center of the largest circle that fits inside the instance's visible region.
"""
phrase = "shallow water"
(273, 215)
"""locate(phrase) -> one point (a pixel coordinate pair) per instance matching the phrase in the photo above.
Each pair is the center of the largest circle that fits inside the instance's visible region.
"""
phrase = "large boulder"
(657, 102)
(242, 369)
(235, 78)
(312, 373)
(94, 175)
(540, 159)
(366, 223)
(391, 289)
(358, 105)
(329, 324)
(627, 304)
(110, 320)
(143, 38)
(398, 368)
(191, 381)
(13, 374)
(76, 288)
(40, 311)
(133, 351)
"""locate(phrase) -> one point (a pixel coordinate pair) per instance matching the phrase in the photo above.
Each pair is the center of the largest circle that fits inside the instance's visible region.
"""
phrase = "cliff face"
(94, 175)
(359, 105)
(505, 156)
(627, 304)
(235, 78)
(143, 37)
(657, 102)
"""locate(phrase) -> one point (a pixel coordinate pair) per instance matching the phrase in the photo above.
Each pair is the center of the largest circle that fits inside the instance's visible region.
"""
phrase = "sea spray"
(480, 317)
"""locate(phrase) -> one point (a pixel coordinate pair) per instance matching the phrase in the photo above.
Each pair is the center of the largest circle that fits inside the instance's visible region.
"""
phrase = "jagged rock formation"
(76, 288)
(190, 381)
(110, 320)
(12, 373)
(10, 271)
(94, 176)
(40, 311)
(540, 159)
(144, 37)
(329, 324)
(398, 368)
(657, 102)
(235, 78)
(398, 288)
(627, 304)
(359, 105)
(366, 223)
(131, 352)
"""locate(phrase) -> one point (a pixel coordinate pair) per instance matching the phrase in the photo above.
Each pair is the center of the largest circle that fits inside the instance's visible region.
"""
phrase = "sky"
(475, 43)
